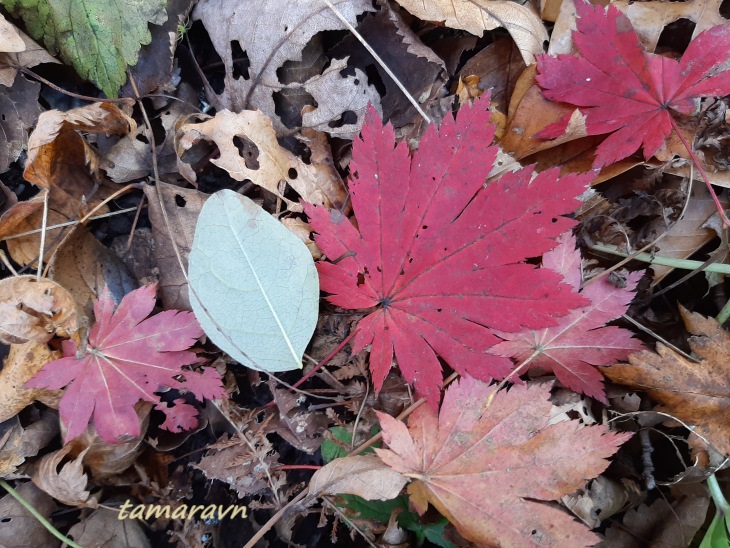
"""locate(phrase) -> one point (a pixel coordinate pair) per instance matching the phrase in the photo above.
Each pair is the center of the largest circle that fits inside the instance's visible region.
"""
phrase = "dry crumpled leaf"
(364, 475)
(67, 485)
(18, 443)
(10, 39)
(696, 393)
(477, 16)
(182, 206)
(22, 529)
(20, 109)
(659, 524)
(272, 34)
(249, 150)
(103, 528)
(299, 426)
(602, 498)
(12, 54)
(34, 310)
(22, 363)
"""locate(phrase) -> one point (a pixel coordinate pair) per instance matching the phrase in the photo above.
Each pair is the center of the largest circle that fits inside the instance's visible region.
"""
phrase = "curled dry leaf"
(31, 55)
(696, 393)
(22, 363)
(35, 310)
(489, 471)
(272, 33)
(477, 16)
(20, 109)
(67, 484)
(18, 443)
(364, 475)
(249, 151)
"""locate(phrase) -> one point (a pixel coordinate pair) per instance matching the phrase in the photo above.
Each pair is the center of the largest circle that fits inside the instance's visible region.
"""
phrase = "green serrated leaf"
(99, 38)
(377, 510)
(257, 284)
(433, 532)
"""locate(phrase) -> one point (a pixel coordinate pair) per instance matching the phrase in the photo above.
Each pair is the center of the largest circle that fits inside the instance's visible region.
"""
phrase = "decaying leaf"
(100, 39)
(20, 109)
(272, 34)
(439, 271)
(67, 484)
(18, 444)
(489, 471)
(104, 528)
(30, 55)
(19, 523)
(128, 359)
(35, 310)
(256, 286)
(580, 342)
(249, 151)
(696, 393)
(364, 475)
(477, 16)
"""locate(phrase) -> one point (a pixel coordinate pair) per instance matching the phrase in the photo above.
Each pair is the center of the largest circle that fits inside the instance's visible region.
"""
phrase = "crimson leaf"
(128, 359)
(439, 256)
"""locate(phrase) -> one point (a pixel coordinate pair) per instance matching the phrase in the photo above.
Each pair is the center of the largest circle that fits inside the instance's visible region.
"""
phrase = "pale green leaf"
(99, 38)
(257, 284)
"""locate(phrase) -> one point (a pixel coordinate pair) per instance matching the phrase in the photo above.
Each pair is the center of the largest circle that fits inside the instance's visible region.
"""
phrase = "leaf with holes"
(573, 348)
(128, 359)
(440, 257)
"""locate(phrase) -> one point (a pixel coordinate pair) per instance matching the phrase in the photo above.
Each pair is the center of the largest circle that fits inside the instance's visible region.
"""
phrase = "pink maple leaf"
(128, 359)
(439, 256)
(579, 343)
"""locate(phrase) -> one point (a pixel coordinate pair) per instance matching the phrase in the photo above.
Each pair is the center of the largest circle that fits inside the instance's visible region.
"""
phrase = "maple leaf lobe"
(440, 257)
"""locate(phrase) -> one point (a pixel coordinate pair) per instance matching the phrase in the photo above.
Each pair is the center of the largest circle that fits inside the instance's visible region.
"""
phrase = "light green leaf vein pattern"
(99, 38)
(256, 280)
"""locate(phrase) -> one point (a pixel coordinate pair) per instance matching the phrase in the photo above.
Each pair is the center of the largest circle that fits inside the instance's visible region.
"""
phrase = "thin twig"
(69, 223)
(44, 225)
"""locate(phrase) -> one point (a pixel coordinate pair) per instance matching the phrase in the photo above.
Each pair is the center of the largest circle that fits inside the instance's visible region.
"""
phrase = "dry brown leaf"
(259, 159)
(477, 16)
(10, 39)
(103, 528)
(34, 310)
(659, 524)
(272, 34)
(363, 475)
(20, 109)
(183, 207)
(303, 231)
(696, 393)
(22, 529)
(322, 168)
(602, 498)
(297, 425)
(18, 443)
(650, 18)
(29, 56)
(67, 485)
(22, 363)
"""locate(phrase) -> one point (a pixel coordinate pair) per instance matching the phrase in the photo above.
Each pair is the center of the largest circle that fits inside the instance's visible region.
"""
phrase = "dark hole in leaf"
(676, 36)
(180, 201)
(348, 117)
(375, 80)
(554, 220)
(142, 139)
(292, 173)
(360, 279)
(725, 9)
(248, 151)
(241, 62)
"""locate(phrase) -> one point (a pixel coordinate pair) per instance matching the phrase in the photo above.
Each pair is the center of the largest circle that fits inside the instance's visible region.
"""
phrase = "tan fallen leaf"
(67, 484)
(477, 16)
(14, 55)
(696, 393)
(18, 443)
(364, 475)
(19, 523)
(34, 310)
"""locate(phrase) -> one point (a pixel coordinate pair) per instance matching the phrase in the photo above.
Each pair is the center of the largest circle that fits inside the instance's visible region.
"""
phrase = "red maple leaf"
(438, 255)
(128, 359)
(626, 91)
(489, 471)
(573, 348)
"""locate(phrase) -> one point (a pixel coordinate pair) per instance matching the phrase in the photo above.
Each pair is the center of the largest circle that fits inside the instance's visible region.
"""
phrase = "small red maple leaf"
(489, 470)
(573, 348)
(439, 255)
(128, 359)
(625, 91)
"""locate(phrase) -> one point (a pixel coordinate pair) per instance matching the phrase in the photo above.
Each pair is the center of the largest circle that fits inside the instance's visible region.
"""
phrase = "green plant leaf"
(256, 284)
(332, 450)
(99, 38)
(716, 535)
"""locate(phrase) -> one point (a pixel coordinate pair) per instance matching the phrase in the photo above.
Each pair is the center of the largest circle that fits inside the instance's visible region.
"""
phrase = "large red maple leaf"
(579, 343)
(490, 471)
(439, 256)
(128, 359)
(625, 91)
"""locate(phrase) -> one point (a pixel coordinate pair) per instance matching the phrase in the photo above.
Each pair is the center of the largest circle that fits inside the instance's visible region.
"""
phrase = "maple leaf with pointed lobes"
(439, 255)
(579, 343)
(488, 471)
(625, 91)
(128, 359)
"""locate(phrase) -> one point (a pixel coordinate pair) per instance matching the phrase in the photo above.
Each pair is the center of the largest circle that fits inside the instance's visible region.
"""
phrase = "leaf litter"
(442, 252)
